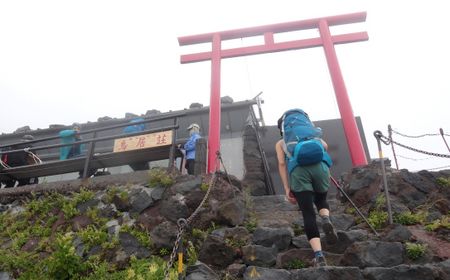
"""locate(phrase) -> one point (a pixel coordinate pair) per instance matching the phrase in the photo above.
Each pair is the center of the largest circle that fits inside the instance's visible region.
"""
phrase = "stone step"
(276, 211)
(410, 272)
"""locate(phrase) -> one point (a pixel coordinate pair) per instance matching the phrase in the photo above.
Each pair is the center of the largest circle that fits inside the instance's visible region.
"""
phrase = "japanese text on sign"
(156, 139)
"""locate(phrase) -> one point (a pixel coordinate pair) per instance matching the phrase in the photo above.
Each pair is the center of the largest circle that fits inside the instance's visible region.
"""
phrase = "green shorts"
(314, 178)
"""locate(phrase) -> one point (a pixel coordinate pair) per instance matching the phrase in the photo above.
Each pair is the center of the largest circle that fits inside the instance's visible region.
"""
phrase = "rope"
(4, 165)
(36, 159)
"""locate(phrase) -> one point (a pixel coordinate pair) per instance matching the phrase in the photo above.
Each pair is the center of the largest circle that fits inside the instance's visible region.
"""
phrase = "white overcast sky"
(75, 61)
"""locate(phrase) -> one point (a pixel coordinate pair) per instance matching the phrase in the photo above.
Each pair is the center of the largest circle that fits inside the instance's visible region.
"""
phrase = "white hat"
(76, 126)
(193, 125)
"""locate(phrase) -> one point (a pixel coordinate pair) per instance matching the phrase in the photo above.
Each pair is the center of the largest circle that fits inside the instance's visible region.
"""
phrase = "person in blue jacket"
(132, 129)
(135, 127)
(189, 147)
(70, 136)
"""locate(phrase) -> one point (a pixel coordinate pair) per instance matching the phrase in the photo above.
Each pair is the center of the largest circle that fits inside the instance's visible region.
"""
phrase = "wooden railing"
(149, 145)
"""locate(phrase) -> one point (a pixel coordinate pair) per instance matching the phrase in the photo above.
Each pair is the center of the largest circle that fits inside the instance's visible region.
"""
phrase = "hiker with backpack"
(133, 128)
(72, 136)
(303, 164)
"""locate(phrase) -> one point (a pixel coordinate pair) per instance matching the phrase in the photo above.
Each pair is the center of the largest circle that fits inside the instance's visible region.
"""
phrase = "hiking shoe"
(319, 262)
(328, 229)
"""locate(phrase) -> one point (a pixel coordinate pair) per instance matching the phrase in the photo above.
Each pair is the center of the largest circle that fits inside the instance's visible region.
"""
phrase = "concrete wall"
(233, 159)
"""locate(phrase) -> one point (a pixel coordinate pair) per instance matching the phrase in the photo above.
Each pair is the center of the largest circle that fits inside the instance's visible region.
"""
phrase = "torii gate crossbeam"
(326, 40)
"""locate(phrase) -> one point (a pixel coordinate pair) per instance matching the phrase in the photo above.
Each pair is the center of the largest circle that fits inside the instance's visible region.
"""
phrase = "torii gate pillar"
(326, 40)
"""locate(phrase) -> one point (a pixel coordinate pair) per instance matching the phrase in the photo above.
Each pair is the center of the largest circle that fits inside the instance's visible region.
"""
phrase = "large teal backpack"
(302, 140)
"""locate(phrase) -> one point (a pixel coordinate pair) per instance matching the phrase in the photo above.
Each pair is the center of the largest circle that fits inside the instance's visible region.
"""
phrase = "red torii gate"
(326, 40)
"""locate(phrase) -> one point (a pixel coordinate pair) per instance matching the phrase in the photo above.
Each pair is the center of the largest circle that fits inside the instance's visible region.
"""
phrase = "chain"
(421, 151)
(415, 159)
(415, 136)
(183, 224)
(387, 141)
(435, 168)
(226, 173)
(181, 228)
(213, 183)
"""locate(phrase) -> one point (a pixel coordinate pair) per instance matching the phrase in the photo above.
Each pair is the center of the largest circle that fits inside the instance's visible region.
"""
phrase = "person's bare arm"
(282, 170)
(325, 145)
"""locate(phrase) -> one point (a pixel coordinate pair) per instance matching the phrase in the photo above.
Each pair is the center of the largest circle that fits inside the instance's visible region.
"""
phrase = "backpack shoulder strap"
(285, 150)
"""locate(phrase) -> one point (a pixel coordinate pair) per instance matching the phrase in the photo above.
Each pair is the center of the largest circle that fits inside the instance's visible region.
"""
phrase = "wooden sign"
(163, 138)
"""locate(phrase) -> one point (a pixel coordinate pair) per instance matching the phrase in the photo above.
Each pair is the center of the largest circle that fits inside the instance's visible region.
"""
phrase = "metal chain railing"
(226, 173)
(441, 167)
(392, 142)
(414, 159)
(415, 136)
(387, 141)
(184, 223)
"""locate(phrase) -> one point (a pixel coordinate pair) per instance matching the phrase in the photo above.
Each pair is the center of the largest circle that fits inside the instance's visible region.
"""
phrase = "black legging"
(190, 166)
(305, 202)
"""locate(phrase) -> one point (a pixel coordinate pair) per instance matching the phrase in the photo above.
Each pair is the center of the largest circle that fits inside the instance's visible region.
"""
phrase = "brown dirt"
(440, 247)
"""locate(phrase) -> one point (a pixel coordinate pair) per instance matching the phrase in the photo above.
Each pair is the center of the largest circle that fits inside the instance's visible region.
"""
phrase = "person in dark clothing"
(20, 158)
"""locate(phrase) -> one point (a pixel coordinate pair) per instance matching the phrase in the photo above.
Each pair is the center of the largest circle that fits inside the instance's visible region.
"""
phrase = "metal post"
(392, 145)
(258, 103)
(377, 135)
(173, 147)
(200, 156)
(180, 260)
(89, 154)
(442, 134)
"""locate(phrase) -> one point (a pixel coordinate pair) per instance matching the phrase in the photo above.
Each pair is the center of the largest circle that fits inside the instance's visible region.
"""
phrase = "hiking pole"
(353, 204)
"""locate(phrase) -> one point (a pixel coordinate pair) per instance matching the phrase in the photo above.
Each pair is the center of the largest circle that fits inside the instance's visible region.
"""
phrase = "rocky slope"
(125, 226)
